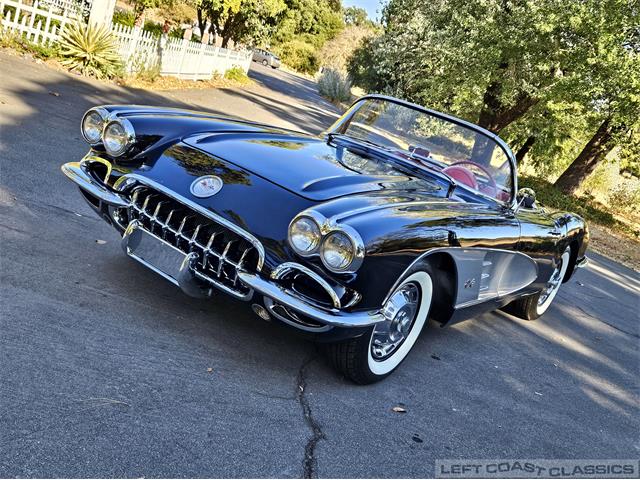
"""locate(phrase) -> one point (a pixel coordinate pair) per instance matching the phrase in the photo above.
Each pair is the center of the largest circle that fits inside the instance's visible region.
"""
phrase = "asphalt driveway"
(106, 370)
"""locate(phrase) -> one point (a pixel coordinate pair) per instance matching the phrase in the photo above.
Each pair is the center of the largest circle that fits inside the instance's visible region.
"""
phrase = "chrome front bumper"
(272, 291)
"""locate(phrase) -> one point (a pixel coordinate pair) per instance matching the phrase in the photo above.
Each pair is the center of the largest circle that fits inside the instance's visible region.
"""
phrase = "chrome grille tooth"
(192, 240)
(157, 210)
(207, 249)
(146, 203)
(182, 224)
(241, 264)
(223, 258)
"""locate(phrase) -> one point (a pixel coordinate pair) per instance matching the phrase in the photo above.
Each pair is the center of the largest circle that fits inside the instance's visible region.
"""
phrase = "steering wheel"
(492, 183)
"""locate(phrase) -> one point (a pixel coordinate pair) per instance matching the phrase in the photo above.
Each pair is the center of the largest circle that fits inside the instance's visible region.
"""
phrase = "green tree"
(540, 72)
(140, 6)
(355, 16)
(608, 86)
(303, 28)
(239, 20)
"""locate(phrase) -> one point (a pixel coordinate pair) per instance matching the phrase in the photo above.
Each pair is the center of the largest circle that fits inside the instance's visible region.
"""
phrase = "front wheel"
(374, 355)
(265, 63)
(534, 306)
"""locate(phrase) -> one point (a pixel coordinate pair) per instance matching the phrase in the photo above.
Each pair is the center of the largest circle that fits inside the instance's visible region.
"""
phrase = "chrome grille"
(220, 251)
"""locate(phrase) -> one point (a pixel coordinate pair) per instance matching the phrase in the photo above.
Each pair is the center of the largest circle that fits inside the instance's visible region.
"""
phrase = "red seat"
(462, 175)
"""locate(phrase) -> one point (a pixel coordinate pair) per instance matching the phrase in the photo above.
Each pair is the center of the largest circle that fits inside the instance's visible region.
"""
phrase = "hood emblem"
(206, 186)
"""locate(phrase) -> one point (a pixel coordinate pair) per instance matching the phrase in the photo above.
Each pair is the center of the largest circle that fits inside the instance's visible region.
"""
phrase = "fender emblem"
(206, 186)
(470, 283)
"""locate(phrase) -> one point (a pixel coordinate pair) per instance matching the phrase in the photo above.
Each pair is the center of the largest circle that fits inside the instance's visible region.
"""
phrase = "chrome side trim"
(76, 172)
(126, 180)
(334, 317)
(287, 267)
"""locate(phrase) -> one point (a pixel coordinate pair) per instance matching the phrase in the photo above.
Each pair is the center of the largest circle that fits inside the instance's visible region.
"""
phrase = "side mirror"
(526, 198)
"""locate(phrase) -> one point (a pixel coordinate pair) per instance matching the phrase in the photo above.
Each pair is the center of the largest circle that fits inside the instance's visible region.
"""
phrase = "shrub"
(236, 74)
(334, 85)
(90, 50)
(147, 73)
(153, 27)
(300, 56)
(177, 32)
(124, 17)
(626, 196)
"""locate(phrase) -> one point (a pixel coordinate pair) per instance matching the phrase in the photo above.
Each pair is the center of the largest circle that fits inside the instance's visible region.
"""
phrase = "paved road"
(104, 368)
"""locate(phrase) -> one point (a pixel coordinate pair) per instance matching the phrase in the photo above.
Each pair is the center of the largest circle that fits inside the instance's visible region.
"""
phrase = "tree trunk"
(495, 116)
(202, 20)
(225, 40)
(588, 159)
(525, 148)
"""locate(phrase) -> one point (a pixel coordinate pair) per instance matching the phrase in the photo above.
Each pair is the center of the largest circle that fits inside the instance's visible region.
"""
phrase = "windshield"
(466, 155)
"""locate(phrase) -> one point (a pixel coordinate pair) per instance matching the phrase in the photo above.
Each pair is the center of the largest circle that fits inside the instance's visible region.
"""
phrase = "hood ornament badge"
(207, 186)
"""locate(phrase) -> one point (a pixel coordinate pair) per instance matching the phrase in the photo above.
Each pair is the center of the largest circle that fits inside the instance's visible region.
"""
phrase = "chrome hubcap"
(399, 312)
(552, 284)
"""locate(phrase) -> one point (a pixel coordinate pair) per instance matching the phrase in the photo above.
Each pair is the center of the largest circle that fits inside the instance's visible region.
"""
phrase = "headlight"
(92, 125)
(304, 235)
(338, 251)
(118, 136)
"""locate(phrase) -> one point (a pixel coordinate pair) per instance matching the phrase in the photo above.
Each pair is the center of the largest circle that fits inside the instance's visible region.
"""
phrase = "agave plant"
(90, 50)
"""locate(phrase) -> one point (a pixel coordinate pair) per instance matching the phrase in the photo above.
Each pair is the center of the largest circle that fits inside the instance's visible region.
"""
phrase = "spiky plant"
(90, 50)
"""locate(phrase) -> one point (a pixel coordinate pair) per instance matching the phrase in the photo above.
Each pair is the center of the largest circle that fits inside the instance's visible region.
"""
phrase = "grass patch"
(587, 208)
(149, 82)
(17, 42)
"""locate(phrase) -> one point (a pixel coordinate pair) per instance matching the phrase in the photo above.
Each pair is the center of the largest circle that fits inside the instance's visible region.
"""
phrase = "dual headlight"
(340, 248)
(117, 135)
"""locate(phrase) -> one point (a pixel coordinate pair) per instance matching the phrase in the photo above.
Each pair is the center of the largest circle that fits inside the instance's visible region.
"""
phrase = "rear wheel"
(374, 355)
(534, 306)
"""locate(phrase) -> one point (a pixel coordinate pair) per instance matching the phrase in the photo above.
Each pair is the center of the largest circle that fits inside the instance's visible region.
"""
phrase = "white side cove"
(383, 367)
(486, 274)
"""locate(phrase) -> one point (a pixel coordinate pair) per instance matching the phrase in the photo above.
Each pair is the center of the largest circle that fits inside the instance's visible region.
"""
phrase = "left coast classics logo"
(206, 186)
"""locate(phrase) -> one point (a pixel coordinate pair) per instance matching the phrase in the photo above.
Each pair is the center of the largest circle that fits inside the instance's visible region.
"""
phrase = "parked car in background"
(395, 215)
(266, 58)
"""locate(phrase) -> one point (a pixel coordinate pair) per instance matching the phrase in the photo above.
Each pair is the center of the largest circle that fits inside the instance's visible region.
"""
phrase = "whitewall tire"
(374, 355)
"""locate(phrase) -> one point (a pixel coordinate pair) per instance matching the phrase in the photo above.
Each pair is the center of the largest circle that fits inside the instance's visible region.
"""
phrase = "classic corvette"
(395, 215)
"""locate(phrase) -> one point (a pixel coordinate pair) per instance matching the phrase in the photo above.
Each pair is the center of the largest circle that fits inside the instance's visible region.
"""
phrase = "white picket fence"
(36, 23)
(178, 58)
(138, 49)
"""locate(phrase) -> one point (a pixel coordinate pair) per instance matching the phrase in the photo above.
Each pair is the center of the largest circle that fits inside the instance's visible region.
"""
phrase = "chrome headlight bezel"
(357, 249)
(318, 224)
(104, 115)
(327, 228)
(128, 138)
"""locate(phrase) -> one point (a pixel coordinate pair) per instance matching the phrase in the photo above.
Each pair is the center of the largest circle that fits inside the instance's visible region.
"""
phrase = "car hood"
(308, 166)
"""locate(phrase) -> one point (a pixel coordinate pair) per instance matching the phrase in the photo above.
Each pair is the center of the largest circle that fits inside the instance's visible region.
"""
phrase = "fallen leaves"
(209, 370)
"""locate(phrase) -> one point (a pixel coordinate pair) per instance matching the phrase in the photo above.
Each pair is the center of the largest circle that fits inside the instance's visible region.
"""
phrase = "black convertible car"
(395, 215)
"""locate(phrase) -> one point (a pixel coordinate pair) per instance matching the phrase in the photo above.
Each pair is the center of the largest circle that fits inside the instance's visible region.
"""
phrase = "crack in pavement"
(310, 463)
